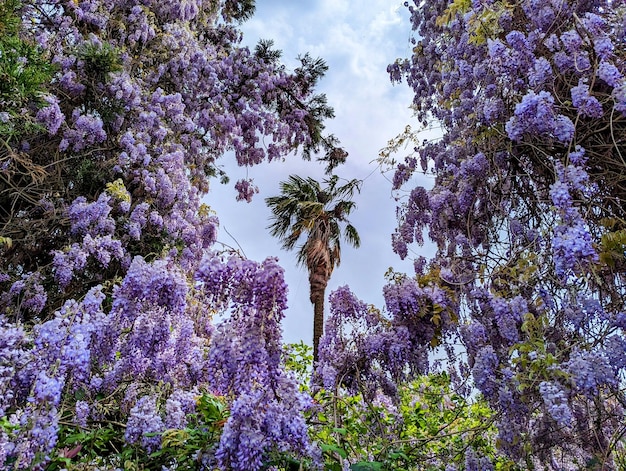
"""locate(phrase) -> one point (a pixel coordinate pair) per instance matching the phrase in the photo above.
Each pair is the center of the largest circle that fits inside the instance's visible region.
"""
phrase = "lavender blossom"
(143, 420)
(590, 371)
(51, 116)
(535, 114)
(556, 401)
(484, 371)
(586, 104)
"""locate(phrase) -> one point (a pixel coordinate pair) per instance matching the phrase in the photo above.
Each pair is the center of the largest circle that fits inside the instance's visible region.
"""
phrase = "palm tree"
(305, 210)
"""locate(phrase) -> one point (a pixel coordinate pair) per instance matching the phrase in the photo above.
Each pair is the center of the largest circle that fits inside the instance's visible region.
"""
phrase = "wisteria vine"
(108, 279)
(526, 211)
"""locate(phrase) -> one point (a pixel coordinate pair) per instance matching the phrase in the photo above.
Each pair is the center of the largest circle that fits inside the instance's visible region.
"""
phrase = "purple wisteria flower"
(536, 115)
(51, 116)
(589, 372)
(47, 389)
(81, 413)
(571, 244)
(541, 73)
(484, 371)
(556, 401)
(245, 361)
(86, 130)
(475, 463)
(144, 419)
(505, 320)
(578, 157)
(245, 190)
(177, 407)
(603, 47)
(572, 247)
(609, 74)
(27, 294)
(94, 217)
(586, 104)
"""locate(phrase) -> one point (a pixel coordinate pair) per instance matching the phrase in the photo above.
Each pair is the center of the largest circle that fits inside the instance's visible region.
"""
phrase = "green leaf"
(367, 466)
(334, 448)
(76, 437)
(398, 454)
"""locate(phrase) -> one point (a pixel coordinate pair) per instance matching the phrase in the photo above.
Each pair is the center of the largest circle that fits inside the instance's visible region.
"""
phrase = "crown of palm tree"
(305, 209)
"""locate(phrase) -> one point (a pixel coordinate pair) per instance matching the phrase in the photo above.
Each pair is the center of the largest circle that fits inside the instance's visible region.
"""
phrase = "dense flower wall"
(526, 211)
(108, 278)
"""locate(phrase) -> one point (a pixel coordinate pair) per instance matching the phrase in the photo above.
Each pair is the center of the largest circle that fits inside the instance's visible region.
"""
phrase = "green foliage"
(103, 444)
(612, 247)
(100, 60)
(186, 447)
(486, 25)
(80, 447)
(9, 18)
(239, 10)
(298, 359)
(441, 424)
(23, 70)
(457, 7)
(118, 190)
(482, 26)
(367, 466)
(429, 428)
(405, 140)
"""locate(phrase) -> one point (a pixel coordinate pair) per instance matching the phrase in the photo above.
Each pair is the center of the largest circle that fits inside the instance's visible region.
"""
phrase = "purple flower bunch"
(244, 362)
(150, 334)
(246, 190)
(366, 352)
(37, 368)
(86, 131)
(26, 294)
(571, 244)
(144, 419)
(51, 116)
(535, 115)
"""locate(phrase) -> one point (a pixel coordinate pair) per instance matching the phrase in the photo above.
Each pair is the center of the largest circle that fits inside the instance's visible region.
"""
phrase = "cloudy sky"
(357, 39)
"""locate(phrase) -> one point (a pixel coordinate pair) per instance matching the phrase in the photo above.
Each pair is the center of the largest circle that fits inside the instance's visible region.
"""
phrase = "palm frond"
(347, 190)
(352, 236)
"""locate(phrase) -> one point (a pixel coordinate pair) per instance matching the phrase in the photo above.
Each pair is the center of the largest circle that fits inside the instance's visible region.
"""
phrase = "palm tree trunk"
(320, 268)
(318, 322)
